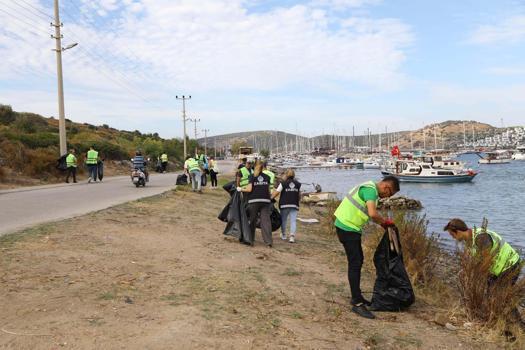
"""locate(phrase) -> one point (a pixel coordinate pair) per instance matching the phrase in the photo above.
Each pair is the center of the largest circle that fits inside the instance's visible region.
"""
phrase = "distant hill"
(448, 134)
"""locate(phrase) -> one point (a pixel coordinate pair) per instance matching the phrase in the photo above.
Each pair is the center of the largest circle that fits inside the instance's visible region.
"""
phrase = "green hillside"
(29, 143)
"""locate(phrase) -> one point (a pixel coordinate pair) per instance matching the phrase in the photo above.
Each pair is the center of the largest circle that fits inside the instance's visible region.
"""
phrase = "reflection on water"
(497, 193)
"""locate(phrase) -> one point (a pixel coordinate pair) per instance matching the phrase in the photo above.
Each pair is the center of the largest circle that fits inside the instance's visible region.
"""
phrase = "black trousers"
(266, 224)
(164, 166)
(71, 171)
(351, 241)
(213, 177)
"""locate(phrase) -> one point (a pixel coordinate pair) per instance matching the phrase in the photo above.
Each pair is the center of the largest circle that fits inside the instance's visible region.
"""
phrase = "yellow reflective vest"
(504, 256)
(352, 211)
(92, 157)
(71, 160)
(164, 157)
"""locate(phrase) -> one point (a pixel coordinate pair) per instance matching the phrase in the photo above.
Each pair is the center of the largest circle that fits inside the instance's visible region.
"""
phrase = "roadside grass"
(10, 239)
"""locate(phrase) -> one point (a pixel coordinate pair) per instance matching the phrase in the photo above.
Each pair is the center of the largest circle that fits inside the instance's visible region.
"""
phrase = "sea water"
(497, 193)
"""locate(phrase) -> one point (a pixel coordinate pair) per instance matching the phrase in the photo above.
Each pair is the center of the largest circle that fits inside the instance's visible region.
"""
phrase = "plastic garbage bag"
(237, 219)
(275, 218)
(182, 179)
(230, 187)
(392, 289)
(100, 170)
(61, 163)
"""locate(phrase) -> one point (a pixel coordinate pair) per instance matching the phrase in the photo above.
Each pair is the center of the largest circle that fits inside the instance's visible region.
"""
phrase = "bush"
(7, 116)
(492, 304)
(421, 251)
(39, 140)
(30, 123)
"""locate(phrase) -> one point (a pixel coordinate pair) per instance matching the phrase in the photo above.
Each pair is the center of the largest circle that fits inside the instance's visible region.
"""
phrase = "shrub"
(421, 251)
(492, 304)
(7, 116)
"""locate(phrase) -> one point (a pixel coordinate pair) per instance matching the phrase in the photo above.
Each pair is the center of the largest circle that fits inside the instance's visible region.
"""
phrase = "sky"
(308, 67)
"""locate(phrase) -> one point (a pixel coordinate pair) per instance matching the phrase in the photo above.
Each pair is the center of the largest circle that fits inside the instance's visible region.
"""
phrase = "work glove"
(388, 223)
(239, 189)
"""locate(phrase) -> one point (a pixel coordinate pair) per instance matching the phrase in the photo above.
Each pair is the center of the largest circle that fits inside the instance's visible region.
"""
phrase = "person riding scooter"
(140, 163)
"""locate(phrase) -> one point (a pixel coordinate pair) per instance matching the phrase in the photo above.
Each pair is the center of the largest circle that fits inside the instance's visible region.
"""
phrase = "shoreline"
(158, 272)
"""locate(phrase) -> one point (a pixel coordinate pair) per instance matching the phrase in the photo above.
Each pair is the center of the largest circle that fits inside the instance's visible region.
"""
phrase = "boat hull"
(494, 161)
(432, 179)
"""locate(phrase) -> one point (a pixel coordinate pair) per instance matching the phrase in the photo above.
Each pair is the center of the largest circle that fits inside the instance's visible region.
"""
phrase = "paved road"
(28, 206)
(25, 207)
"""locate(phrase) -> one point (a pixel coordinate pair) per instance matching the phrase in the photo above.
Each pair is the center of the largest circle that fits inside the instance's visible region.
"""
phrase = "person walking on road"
(195, 172)
(355, 210)
(164, 161)
(290, 195)
(92, 164)
(214, 170)
(259, 201)
(71, 163)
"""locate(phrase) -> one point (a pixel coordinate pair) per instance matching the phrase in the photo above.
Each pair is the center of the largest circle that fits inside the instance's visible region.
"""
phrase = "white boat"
(519, 154)
(495, 157)
(371, 164)
(412, 171)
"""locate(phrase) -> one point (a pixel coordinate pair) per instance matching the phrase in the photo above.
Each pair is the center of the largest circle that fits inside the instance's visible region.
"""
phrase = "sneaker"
(360, 301)
(67, 181)
(74, 182)
(292, 239)
(89, 180)
(362, 311)
(283, 236)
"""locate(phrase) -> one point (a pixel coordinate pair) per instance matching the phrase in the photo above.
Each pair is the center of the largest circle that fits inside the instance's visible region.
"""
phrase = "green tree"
(264, 153)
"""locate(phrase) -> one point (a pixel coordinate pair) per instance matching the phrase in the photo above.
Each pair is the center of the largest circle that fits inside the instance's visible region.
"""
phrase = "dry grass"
(494, 305)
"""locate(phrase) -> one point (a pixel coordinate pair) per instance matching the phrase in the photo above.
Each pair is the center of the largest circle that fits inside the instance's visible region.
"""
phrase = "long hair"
(290, 174)
(258, 168)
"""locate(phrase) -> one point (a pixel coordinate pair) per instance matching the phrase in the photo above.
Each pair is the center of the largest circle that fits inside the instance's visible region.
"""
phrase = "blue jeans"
(92, 170)
(196, 178)
(288, 213)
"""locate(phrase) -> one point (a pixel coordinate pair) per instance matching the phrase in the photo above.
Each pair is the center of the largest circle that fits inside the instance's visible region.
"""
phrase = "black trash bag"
(223, 215)
(238, 225)
(230, 187)
(100, 170)
(275, 218)
(392, 289)
(61, 163)
(182, 179)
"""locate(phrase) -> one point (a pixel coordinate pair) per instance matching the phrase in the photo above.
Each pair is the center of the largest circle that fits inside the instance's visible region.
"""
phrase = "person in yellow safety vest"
(505, 259)
(243, 175)
(270, 174)
(71, 163)
(164, 161)
(355, 210)
(195, 171)
(91, 162)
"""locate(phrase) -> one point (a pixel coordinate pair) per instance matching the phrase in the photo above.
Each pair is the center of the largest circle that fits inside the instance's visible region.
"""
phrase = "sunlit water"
(497, 193)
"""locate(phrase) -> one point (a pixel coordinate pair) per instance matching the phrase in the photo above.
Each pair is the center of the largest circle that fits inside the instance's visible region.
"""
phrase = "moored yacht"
(413, 171)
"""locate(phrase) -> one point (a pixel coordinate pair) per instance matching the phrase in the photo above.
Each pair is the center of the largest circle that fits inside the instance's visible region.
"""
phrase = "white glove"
(239, 189)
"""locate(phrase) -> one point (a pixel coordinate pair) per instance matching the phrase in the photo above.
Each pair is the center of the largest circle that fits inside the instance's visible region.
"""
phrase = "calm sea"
(497, 193)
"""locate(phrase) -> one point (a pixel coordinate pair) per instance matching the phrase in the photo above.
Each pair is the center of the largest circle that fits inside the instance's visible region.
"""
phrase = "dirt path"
(158, 274)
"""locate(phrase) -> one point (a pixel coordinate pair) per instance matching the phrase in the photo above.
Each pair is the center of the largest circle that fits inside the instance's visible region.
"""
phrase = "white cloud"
(510, 30)
(506, 71)
(159, 48)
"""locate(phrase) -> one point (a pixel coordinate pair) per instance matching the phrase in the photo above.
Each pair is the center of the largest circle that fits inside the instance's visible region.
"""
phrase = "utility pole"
(205, 140)
(195, 121)
(184, 119)
(58, 50)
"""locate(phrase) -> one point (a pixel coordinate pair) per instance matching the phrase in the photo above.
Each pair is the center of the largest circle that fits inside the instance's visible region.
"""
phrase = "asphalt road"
(25, 207)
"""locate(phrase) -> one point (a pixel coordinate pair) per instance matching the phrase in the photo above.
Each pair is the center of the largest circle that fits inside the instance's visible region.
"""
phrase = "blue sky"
(308, 66)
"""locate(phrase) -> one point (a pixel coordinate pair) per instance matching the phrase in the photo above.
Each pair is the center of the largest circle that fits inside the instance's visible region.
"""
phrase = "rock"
(441, 319)
(467, 325)
(399, 202)
(451, 327)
